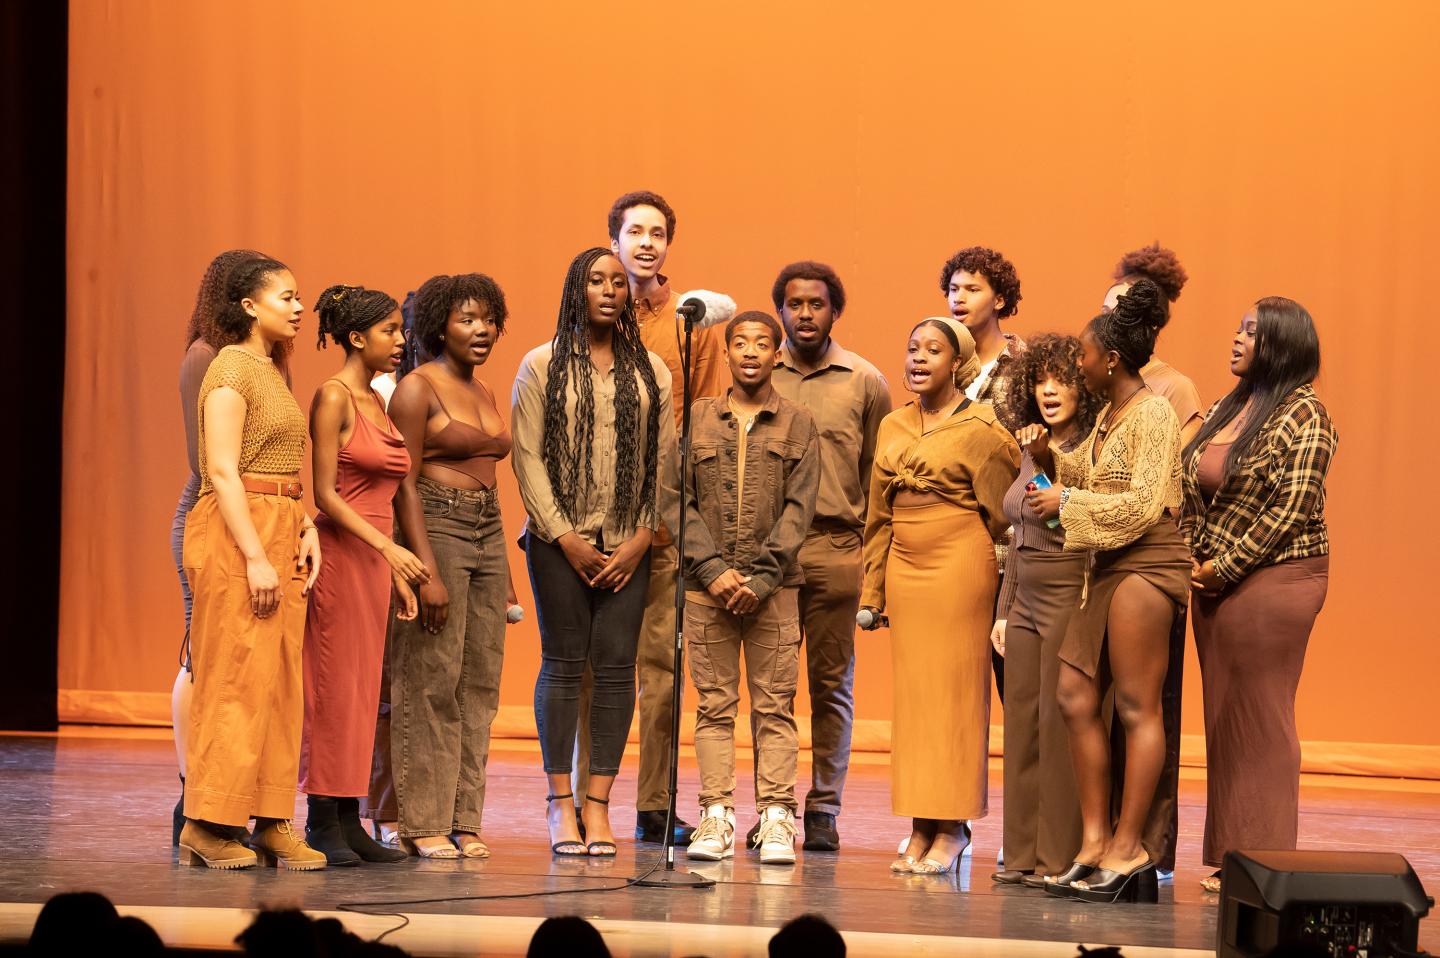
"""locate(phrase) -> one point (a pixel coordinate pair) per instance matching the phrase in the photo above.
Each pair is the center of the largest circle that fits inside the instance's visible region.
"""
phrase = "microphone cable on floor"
(359, 907)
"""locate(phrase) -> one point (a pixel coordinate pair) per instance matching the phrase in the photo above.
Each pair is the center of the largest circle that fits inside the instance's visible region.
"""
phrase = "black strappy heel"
(605, 849)
(559, 848)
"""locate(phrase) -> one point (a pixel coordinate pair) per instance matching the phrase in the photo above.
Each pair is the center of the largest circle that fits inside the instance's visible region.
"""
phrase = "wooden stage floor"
(90, 809)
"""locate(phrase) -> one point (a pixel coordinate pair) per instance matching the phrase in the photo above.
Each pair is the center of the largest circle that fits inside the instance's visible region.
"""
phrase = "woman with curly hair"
(594, 456)
(359, 459)
(445, 663)
(1111, 495)
(942, 465)
(1040, 589)
(251, 555)
(202, 341)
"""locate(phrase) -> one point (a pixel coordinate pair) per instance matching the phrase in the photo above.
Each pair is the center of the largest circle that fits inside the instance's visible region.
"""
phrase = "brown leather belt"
(270, 487)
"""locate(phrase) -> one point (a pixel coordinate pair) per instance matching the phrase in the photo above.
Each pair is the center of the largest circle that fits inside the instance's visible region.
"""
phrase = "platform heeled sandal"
(568, 847)
(600, 849)
(1106, 886)
(1059, 885)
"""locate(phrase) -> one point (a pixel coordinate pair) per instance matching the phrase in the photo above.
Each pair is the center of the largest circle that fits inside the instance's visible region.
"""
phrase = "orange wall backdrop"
(1286, 148)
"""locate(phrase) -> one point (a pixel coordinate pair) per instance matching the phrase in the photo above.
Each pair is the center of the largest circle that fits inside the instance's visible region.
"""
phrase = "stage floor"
(90, 809)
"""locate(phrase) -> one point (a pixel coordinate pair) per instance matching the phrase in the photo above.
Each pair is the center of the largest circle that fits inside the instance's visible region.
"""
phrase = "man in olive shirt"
(848, 397)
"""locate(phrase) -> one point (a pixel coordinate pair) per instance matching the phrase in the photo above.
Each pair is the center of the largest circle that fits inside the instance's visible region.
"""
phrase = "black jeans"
(580, 625)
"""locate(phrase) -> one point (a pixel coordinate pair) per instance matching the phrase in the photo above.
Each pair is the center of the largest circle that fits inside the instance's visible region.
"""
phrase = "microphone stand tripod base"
(669, 878)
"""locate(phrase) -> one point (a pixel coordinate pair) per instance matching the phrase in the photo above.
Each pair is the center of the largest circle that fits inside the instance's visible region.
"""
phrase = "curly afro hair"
(1131, 327)
(998, 271)
(616, 219)
(1047, 355)
(1159, 265)
(438, 295)
(809, 269)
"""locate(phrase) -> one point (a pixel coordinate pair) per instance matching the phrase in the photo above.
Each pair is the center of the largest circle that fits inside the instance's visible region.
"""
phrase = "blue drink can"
(1042, 481)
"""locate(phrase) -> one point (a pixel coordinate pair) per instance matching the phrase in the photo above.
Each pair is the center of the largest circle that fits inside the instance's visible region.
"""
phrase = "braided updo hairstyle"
(350, 309)
(1131, 327)
(212, 295)
(569, 464)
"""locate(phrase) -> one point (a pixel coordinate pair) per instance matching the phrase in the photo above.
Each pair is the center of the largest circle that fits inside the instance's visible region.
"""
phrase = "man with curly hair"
(981, 288)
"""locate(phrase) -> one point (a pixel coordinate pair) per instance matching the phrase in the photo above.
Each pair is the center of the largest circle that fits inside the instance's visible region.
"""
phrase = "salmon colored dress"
(345, 630)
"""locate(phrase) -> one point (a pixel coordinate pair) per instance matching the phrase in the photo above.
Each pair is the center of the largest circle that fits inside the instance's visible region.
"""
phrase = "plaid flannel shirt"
(1272, 508)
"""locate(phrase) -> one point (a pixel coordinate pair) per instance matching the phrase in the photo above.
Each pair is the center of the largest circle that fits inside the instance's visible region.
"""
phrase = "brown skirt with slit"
(1159, 557)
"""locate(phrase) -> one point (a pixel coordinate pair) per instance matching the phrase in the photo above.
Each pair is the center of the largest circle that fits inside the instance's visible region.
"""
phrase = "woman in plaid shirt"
(1254, 517)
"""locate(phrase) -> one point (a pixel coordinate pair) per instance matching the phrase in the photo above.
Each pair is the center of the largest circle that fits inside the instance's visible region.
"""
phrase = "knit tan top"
(273, 440)
(1117, 498)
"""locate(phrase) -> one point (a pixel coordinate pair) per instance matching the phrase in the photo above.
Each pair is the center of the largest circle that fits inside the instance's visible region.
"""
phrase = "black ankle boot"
(360, 842)
(177, 820)
(322, 832)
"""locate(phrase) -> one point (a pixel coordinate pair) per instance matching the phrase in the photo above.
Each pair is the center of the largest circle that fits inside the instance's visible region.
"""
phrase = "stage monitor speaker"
(1337, 904)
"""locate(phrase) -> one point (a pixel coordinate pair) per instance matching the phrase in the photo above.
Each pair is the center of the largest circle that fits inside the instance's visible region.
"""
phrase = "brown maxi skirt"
(1251, 641)
(243, 754)
(940, 580)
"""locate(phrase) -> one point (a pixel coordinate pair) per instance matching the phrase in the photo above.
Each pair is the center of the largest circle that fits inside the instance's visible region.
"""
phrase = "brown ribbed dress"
(932, 569)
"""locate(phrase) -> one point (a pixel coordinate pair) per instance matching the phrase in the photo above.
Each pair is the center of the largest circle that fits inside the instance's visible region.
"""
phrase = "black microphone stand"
(670, 877)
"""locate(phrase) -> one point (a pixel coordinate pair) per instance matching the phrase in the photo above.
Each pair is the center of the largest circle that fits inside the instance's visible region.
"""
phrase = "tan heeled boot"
(275, 842)
(200, 846)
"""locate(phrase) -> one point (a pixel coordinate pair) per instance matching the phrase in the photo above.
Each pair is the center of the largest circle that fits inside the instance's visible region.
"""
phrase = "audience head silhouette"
(567, 937)
(810, 936)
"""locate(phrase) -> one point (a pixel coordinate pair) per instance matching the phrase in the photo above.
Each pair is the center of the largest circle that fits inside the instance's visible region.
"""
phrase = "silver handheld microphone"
(870, 621)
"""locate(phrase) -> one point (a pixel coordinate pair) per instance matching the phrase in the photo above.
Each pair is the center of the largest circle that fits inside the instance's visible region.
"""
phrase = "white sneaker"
(776, 839)
(714, 837)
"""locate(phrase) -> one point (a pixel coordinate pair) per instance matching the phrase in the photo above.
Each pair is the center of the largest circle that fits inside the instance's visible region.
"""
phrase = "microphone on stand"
(703, 308)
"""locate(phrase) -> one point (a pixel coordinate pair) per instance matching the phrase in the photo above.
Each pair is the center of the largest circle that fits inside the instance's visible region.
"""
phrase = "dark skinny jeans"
(580, 625)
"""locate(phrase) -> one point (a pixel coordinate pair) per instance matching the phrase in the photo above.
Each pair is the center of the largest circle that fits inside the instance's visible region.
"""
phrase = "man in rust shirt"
(752, 478)
(641, 226)
(847, 397)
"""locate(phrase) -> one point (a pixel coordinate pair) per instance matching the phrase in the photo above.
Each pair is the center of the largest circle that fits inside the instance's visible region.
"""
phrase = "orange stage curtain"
(1282, 148)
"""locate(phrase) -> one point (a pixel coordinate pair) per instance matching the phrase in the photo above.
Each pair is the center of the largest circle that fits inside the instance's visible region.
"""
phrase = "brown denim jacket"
(761, 536)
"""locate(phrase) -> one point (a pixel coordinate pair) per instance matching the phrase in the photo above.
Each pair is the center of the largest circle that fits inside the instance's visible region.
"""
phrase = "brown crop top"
(464, 448)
